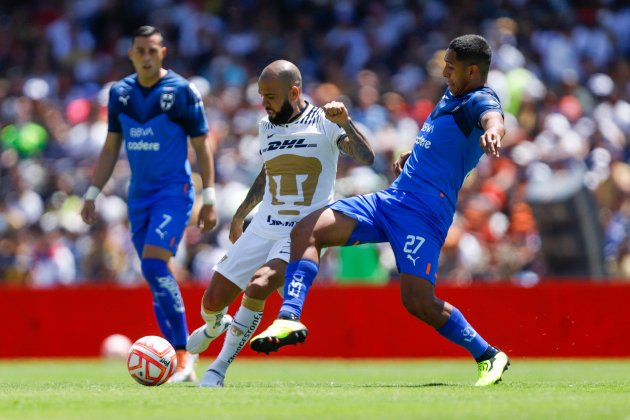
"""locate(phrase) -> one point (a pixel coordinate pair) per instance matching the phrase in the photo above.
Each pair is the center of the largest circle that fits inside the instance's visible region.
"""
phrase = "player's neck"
(301, 106)
(148, 82)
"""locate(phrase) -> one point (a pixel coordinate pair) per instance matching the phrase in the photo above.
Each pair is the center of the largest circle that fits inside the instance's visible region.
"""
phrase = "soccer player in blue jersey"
(154, 112)
(413, 214)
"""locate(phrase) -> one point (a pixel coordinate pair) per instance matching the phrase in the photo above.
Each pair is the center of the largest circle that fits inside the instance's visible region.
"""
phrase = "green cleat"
(491, 370)
(281, 333)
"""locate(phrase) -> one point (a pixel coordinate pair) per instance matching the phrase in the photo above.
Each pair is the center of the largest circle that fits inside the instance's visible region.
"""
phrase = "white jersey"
(300, 159)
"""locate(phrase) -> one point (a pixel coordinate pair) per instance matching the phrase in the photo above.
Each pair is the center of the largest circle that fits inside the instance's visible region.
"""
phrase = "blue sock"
(297, 280)
(459, 331)
(165, 327)
(167, 296)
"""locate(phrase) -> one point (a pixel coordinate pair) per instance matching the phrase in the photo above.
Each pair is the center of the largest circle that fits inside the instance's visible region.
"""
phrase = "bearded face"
(282, 115)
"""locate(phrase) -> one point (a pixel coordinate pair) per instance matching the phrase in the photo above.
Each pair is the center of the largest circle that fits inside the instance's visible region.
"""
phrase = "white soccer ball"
(151, 361)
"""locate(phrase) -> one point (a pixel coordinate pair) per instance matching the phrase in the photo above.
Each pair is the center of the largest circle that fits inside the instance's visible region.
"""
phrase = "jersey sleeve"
(195, 122)
(482, 103)
(113, 123)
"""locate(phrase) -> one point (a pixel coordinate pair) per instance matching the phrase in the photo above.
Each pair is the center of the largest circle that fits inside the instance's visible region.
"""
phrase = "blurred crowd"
(562, 73)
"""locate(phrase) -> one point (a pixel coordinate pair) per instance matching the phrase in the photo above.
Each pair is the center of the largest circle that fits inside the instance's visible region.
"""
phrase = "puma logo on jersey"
(413, 260)
(124, 99)
(287, 144)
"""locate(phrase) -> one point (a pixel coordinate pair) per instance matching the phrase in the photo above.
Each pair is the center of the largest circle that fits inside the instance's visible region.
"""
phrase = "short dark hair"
(145, 32)
(473, 49)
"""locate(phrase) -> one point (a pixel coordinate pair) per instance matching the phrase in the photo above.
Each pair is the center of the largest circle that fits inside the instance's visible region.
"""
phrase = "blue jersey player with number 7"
(154, 112)
(413, 214)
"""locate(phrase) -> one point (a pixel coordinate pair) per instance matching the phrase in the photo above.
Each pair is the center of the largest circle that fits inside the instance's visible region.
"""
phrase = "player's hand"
(336, 112)
(490, 142)
(207, 218)
(236, 229)
(400, 162)
(88, 212)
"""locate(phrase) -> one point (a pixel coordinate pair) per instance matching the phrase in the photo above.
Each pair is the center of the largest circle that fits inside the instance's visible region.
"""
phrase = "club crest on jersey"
(167, 99)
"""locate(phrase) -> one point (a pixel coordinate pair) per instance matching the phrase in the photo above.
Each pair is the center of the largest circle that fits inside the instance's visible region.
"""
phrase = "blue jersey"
(447, 147)
(414, 214)
(155, 124)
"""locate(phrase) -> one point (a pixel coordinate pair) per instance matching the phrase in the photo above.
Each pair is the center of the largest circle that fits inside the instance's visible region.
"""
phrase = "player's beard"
(282, 116)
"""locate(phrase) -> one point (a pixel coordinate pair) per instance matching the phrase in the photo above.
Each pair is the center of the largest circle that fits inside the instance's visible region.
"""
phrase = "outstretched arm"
(104, 168)
(490, 140)
(354, 144)
(207, 214)
(254, 196)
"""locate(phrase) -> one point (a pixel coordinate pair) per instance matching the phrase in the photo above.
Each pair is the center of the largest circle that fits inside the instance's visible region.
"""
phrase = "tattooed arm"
(254, 196)
(354, 144)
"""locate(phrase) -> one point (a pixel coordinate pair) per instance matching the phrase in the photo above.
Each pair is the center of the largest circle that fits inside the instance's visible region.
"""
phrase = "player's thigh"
(356, 221)
(415, 243)
(139, 217)
(167, 221)
(243, 258)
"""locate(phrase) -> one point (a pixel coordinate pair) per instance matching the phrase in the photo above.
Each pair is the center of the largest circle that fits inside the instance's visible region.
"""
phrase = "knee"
(302, 233)
(220, 293)
(156, 272)
(152, 266)
(216, 297)
(263, 284)
(211, 300)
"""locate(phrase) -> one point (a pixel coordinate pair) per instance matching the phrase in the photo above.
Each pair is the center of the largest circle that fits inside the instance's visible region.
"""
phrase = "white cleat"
(200, 339)
(212, 379)
(187, 374)
(491, 370)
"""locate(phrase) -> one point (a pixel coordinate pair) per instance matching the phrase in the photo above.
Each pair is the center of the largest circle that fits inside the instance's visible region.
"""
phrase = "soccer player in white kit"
(300, 145)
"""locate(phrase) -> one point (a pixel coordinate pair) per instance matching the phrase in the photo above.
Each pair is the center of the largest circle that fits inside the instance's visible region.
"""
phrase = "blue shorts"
(414, 224)
(159, 220)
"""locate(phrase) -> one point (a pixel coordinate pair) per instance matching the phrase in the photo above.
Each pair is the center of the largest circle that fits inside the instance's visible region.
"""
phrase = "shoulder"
(174, 81)
(312, 115)
(123, 86)
(264, 126)
(484, 97)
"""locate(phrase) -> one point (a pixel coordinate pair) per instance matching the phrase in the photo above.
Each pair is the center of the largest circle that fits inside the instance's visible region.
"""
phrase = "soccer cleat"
(185, 373)
(281, 333)
(491, 370)
(212, 379)
(199, 340)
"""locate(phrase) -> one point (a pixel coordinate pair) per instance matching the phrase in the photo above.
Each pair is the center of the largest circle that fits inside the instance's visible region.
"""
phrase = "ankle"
(182, 358)
(288, 315)
(488, 354)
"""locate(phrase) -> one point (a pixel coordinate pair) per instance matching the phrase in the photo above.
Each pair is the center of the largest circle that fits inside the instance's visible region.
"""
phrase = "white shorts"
(248, 254)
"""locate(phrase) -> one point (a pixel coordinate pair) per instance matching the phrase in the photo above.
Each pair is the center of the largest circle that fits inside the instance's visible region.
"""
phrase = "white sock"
(213, 321)
(245, 323)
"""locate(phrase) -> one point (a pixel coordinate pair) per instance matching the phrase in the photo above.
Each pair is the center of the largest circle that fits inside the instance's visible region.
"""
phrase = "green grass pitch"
(277, 388)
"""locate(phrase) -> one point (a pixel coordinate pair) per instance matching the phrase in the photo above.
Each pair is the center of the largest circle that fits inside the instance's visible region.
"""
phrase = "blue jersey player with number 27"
(413, 214)
(154, 112)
